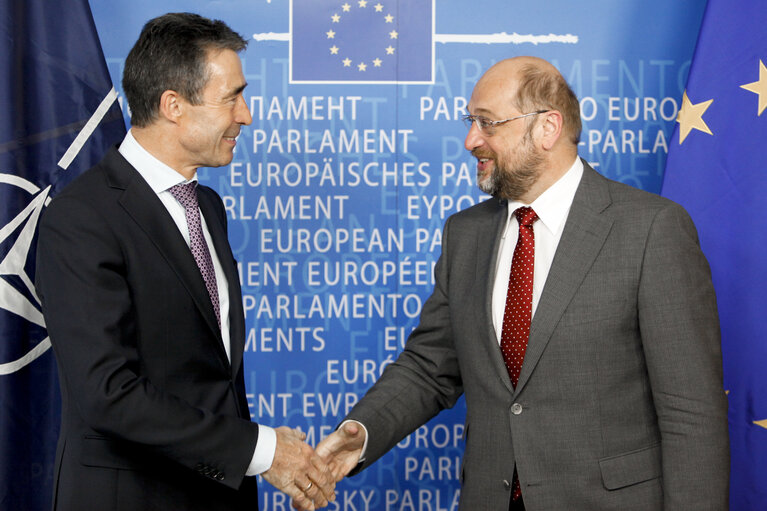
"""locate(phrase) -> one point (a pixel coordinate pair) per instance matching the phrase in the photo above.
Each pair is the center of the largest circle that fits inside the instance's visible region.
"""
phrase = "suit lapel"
(142, 204)
(582, 239)
(489, 235)
(224, 252)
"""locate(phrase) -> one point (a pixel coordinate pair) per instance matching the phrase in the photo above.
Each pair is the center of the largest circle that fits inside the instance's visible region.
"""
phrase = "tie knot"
(186, 194)
(526, 216)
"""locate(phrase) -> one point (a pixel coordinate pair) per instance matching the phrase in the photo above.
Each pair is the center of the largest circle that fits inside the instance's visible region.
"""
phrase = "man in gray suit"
(583, 329)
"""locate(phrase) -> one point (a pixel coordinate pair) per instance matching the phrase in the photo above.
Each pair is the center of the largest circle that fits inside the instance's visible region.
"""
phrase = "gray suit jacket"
(620, 403)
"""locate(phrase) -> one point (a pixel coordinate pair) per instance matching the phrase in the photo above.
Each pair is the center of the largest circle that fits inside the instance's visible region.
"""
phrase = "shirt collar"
(158, 175)
(553, 205)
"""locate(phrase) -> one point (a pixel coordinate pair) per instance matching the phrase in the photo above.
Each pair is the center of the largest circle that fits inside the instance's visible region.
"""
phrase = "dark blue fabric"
(721, 178)
(52, 78)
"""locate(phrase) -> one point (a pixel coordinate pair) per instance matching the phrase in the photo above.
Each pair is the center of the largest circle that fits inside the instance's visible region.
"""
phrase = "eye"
(484, 122)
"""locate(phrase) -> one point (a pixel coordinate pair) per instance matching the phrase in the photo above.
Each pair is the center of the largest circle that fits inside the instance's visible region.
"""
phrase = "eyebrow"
(237, 91)
(482, 111)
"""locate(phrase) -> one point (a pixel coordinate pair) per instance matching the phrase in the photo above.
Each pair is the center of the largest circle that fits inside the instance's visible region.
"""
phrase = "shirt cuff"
(263, 455)
(365, 444)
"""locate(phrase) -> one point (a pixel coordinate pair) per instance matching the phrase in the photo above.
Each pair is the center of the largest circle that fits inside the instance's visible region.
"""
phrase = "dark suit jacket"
(154, 415)
(620, 404)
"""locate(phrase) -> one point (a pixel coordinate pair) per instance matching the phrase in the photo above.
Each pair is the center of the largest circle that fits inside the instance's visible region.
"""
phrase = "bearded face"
(509, 174)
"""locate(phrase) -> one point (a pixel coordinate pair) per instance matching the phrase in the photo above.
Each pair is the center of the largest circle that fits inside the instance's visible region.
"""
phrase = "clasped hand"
(299, 472)
(309, 477)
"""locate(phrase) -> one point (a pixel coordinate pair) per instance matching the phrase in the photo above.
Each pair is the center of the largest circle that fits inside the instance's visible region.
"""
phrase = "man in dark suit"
(141, 296)
(577, 316)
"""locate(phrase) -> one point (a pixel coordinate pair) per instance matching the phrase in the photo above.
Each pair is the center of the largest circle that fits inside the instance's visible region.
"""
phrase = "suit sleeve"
(82, 284)
(424, 379)
(681, 340)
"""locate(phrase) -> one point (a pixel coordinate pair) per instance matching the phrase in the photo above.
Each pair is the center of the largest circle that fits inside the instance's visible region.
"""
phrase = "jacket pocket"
(98, 451)
(631, 467)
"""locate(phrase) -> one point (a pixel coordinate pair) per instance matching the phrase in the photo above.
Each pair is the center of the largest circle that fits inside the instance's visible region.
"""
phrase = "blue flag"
(59, 115)
(717, 169)
(358, 41)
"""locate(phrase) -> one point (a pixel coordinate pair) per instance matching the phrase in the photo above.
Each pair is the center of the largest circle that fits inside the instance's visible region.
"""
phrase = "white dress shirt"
(552, 208)
(161, 178)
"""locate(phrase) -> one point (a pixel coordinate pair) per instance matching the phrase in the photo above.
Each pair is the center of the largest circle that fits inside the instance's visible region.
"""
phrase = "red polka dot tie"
(186, 195)
(519, 306)
(519, 297)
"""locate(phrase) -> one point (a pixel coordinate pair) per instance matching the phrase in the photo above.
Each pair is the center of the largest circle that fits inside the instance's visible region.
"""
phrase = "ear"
(171, 106)
(551, 128)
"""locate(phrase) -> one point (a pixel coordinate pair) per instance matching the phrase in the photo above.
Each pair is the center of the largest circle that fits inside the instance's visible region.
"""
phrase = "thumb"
(351, 429)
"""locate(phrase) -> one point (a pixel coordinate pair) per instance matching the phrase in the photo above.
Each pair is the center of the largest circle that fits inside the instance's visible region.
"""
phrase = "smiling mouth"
(482, 164)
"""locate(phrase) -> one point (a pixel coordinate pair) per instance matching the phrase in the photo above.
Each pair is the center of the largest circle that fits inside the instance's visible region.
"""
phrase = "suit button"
(220, 476)
(506, 484)
(516, 408)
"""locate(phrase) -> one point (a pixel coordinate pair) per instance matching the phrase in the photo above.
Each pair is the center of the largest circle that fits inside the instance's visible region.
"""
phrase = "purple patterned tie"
(186, 194)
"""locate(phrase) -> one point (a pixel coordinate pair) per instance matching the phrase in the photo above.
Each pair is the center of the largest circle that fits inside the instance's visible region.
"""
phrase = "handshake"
(309, 476)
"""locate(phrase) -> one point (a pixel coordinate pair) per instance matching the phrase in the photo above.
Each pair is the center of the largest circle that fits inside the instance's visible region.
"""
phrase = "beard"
(512, 176)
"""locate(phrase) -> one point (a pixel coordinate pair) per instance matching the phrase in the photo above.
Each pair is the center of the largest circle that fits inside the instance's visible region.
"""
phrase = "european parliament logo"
(361, 41)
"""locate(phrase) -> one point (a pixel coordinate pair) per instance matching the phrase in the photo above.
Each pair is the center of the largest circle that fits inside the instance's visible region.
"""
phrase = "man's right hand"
(342, 449)
(299, 472)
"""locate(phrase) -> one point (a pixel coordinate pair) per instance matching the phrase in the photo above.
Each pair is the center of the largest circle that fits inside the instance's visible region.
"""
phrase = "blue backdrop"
(339, 189)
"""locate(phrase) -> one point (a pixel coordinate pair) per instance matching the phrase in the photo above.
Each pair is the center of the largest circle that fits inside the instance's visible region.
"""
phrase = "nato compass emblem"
(18, 300)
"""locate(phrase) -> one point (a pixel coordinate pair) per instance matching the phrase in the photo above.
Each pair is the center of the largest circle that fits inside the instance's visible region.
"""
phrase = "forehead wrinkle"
(481, 111)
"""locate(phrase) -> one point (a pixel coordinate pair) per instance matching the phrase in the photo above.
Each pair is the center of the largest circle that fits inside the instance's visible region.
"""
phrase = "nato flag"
(717, 169)
(59, 115)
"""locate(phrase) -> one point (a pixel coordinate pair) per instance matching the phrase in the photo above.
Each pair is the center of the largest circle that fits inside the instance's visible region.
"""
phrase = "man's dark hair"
(172, 54)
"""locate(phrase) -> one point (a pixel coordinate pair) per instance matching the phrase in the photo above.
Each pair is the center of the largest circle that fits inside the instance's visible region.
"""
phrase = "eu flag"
(717, 169)
(59, 115)
(361, 41)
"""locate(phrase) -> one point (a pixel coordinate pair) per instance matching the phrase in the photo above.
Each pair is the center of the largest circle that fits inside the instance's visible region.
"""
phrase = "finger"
(351, 428)
(324, 479)
(300, 500)
(311, 492)
(315, 494)
(295, 505)
(322, 488)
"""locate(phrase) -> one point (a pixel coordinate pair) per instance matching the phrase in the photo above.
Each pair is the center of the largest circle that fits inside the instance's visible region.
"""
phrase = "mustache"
(483, 154)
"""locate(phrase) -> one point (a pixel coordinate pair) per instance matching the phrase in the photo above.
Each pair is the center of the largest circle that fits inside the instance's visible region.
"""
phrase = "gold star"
(336, 18)
(389, 50)
(377, 62)
(330, 34)
(389, 18)
(393, 34)
(691, 117)
(362, 66)
(759, 88)
(762, 423)
(347, 62)
(363, 3)
(379, 7)
(334, 50)
(346, 7)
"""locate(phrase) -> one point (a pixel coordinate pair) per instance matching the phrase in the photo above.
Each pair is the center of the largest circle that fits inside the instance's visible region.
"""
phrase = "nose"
(474, 138)
(242, 113)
